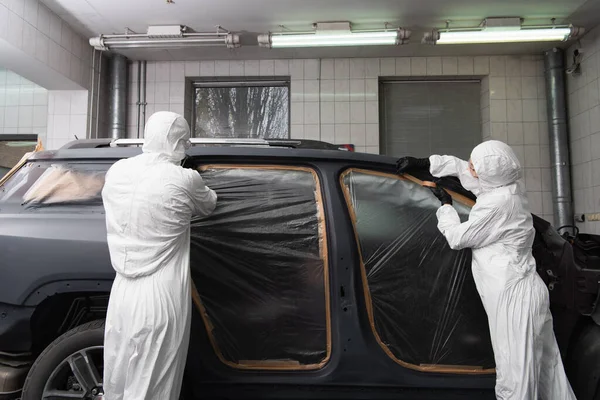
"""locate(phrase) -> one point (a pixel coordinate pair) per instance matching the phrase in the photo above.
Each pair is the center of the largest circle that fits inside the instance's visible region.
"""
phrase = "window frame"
(445, 369)
(278, 365)
(239, 82)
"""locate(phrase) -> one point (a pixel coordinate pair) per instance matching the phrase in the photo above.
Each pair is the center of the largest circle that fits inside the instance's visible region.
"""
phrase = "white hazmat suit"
(149, 201)
(500, 233)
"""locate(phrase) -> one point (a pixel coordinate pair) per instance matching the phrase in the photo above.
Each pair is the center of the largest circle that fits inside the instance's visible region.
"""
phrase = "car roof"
(86, 151)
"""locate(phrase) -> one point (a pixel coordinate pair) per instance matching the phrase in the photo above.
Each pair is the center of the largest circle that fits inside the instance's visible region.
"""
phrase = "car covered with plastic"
(321, 274)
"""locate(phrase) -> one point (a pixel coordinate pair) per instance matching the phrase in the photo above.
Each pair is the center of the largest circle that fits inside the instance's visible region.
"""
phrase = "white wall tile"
(403, 66)
(388, 66)
(327, 90)
(297, 69)
(357, 90)
(372, 68)
(176, 92)
(311, 113)
(357, 68)
(342, 68)
(372, 112)
(498, 111)
(357, 112)
(297, 113)
(327, 69)
(372, 134)
(530, 110)
(515, 133)
(498, 88)
(163, 71)
(497, 66)
(342, 133)
(311, 69)
(297, 131)
(192, 68)
(481, 65)
(15, 30)
(513, 66)
(434, 66)
(282, 67)
(312, 132)
(207, 68)
(297, 90)
(466, 65)
(358, 135)
(267, 68)
(514, 110)
(529, 87)
(222, 68)
(513, 88)
(342, 112)
(328, 133)
(311, 90)
(176, 71)
(418, 66)
(342, 90)
(162, 92)
(327, 113)
(449, 66)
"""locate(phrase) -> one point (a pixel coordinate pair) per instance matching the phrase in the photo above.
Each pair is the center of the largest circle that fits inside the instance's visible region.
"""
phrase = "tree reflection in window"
(242, 112)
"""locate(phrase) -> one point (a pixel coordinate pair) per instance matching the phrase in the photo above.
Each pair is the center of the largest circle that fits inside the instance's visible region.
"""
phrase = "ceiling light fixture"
(503, 30)
(169, 36)
(334, 34)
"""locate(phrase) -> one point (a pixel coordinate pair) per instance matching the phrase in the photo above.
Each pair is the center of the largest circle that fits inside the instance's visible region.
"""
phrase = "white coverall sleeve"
(451, 166)
(204, 199)
(475, 233)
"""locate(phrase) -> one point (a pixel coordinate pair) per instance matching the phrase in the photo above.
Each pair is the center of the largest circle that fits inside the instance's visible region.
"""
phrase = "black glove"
(442, 195)
(410, 163)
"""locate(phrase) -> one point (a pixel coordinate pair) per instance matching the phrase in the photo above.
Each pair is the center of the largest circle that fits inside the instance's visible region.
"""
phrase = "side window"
(259, 265)
(50, 184)
(422, 303)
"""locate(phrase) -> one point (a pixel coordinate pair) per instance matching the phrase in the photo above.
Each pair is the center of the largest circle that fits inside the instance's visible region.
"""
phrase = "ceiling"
(250, 17)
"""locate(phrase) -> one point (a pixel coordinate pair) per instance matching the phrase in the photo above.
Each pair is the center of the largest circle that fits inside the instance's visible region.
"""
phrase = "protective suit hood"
(167, 134)
(496, 165)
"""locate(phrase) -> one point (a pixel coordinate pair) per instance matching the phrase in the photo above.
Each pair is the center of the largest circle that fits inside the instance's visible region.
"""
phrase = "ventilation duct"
(559, 137)
(117, 94)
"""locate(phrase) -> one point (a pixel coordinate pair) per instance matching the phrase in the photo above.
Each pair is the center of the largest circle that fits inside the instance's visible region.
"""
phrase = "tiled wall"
(67, 117)
(336, 100)
(39, 35)
(31, 27)
(584, 122)
(23, 105)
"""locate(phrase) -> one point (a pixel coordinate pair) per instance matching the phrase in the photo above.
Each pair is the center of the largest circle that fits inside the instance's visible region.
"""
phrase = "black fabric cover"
(425, 305)
(257, 265)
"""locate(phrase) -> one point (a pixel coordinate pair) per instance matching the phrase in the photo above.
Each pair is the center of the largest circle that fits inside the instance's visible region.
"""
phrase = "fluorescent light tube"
(340, 39)
(504, 36)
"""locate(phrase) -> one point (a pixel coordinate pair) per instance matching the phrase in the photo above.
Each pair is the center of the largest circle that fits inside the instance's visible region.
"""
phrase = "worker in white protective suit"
(500, 233)
(149, 201)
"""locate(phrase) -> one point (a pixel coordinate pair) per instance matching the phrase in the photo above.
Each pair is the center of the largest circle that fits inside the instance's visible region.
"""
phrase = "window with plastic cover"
(422, 303)
(46, 184)
(259, 265)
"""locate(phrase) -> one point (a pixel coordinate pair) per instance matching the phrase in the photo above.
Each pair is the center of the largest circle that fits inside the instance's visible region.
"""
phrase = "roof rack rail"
(289, 143)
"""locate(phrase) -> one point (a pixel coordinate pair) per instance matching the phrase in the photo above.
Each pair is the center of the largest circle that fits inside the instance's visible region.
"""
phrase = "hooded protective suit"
(500, 233)
(149, 201)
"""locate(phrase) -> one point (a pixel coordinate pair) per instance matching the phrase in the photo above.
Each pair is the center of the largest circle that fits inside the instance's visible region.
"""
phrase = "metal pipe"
(99, 86)
(558, 136)
(143, 79)
(117, 109)
(139, 96)
(91, 103)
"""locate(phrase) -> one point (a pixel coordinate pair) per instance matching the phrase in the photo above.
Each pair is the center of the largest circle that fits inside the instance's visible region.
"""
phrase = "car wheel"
(70, 367)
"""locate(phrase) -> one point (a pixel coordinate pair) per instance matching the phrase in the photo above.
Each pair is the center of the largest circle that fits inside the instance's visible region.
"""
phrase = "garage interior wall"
(23, 105)
(336, 100)
(43, 48)
(584, 129)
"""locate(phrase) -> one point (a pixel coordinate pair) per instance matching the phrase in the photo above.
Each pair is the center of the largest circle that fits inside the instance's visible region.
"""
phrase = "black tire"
(84, 336)
(583, 363)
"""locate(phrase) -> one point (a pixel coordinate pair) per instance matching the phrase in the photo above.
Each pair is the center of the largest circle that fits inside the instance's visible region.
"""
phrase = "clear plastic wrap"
(60, 184)
(422, 302)
(259, 264)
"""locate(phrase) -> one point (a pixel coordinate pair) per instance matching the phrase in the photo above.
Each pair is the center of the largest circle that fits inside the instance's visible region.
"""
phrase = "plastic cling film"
(259, 264)
(422, 302)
